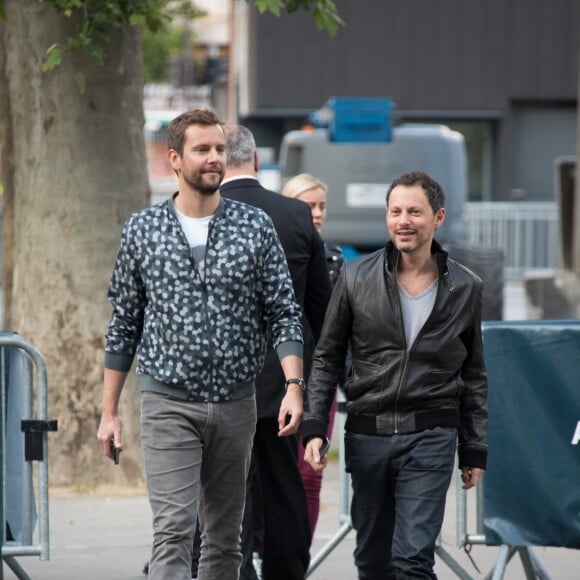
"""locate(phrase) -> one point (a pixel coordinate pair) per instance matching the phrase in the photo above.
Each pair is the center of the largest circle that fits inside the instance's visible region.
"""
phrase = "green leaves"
(326, 17)
(53, 58)
(94, 18)
(272, 6)
(323, 12)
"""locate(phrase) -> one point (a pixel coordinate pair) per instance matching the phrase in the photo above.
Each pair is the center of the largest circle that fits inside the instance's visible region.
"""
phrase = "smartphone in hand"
(324, 448)
(115, 451)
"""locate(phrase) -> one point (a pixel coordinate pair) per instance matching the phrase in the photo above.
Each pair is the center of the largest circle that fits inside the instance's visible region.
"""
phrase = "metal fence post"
(34, 446)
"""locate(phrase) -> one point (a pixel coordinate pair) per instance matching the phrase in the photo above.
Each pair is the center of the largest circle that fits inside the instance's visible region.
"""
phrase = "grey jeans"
(196, 456)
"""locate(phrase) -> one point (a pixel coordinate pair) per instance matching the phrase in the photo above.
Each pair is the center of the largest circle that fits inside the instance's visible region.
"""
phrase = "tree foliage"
(323, 12)
(93, 18)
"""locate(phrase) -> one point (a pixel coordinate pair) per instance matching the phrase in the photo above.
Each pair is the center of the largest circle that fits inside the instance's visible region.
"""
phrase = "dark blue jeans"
(399, 487)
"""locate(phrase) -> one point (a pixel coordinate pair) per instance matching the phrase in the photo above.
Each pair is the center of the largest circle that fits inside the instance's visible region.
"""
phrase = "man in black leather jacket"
(417, 387)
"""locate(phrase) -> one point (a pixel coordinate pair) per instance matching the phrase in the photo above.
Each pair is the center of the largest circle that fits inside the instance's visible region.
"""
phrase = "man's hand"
(109, 434)
(111, 427)
(470, 476)
(291, 410)
(312, 454)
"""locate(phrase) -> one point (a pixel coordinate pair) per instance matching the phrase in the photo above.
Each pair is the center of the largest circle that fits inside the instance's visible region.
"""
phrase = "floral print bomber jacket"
(201, 339)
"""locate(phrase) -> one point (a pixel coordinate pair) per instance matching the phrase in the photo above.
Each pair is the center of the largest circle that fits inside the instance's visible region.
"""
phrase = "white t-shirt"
(196, 230)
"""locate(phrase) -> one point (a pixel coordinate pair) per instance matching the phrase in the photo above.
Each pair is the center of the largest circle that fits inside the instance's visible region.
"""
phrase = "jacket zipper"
(399, 388)
(407, 353)
(204, 299)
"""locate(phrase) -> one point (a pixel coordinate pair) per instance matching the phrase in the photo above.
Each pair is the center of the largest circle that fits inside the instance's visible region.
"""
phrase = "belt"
(417, 421)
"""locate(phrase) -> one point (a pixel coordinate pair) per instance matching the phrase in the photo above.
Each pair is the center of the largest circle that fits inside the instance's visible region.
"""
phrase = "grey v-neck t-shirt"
(416, 310)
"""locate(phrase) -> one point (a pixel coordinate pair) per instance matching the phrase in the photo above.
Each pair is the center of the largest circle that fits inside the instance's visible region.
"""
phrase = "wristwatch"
(300, 382)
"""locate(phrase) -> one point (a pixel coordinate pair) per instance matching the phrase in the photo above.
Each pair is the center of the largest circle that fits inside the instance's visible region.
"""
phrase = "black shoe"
(146, 568)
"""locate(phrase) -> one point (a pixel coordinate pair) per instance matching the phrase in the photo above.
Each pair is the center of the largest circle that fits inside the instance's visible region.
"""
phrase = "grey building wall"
(510, 65)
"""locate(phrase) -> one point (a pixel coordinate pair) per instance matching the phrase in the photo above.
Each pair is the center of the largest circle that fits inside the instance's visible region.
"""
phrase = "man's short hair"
(178, 126)
(434, 191)
(240, 146)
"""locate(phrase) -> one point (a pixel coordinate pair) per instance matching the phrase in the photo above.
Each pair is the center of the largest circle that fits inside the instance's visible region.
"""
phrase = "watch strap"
(300, 382)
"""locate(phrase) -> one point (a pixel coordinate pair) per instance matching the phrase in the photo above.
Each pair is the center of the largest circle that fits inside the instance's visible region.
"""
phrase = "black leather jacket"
(439, 380)
(334, 261)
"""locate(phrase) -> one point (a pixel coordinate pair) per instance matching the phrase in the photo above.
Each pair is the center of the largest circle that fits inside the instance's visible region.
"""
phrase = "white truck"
(358, 175)
(358, 154)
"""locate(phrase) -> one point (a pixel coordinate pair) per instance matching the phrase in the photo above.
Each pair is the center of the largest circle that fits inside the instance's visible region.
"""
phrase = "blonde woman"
(314, 192)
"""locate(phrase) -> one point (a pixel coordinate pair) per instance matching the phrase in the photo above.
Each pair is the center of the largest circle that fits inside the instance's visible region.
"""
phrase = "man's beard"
(197, 182)
(412, 248)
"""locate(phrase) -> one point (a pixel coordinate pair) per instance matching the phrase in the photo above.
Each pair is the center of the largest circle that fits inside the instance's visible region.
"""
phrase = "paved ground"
(98, 537)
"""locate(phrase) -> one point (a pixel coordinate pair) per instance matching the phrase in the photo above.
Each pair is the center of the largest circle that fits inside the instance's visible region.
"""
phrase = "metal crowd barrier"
(528, 233)
(466, 539)
(24, 442)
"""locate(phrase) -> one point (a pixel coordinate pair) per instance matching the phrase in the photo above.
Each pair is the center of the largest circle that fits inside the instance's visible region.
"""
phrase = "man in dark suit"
(286, 528)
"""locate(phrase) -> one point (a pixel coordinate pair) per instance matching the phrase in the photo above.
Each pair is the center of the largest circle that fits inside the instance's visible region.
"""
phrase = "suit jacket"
(307, 264)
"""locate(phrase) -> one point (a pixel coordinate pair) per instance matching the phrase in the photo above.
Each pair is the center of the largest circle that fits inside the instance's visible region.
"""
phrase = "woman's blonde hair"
(302, 182)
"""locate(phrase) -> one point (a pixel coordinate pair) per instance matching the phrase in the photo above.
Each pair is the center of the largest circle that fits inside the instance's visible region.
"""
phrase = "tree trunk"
(7, 180)
(79, 172)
